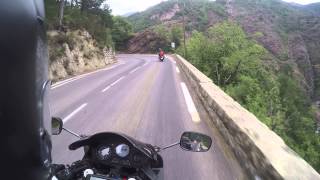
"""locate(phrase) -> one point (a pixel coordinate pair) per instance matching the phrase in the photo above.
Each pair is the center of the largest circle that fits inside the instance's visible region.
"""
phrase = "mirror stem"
(71, 132)
(174, 144)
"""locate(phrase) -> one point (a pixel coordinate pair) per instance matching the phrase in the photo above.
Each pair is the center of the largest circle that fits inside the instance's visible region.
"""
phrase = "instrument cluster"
(119, 154)
(104, 152)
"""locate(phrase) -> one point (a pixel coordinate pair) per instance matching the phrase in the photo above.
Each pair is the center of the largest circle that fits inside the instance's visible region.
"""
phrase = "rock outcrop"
(75, 52)
(145, 42)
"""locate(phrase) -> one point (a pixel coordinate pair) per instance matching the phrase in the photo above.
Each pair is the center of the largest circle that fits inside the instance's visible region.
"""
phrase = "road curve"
(143, 98)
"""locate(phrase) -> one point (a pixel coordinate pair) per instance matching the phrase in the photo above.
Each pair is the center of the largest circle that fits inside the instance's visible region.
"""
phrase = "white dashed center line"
(146, 63)
(134, 70)
(74, 112)
(114, 83)
(105, 89)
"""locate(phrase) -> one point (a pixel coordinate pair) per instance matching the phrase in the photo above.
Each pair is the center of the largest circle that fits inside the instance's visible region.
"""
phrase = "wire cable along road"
(143, 98)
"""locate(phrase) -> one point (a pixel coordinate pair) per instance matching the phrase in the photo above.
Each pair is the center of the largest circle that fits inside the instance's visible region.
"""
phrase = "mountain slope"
(199, 14)
(289, 32)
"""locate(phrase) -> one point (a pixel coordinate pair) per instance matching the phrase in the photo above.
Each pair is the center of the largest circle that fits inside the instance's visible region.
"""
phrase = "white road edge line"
(114, 83)
(177, 69)
(134, 70)
(61, 83)
(66, 82)
(74, 112)
(190, 104)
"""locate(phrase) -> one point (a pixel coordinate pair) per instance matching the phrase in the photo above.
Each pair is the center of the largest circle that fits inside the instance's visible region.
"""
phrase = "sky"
(121, 7)
(303, 1)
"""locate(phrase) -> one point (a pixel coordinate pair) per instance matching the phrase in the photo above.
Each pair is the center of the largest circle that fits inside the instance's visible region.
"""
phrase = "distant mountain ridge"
(128, 14)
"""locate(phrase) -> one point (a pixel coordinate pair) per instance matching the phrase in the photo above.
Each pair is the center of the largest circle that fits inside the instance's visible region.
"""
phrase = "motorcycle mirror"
(56, 125)
(196, 142)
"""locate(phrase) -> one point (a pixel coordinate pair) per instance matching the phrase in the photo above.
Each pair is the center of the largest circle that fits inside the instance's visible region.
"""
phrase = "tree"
(162, 32)
(162, 38)
(121, 32)
(61, 10)
(89, 5)
(105, 14)
(176, 35)
(225, 53)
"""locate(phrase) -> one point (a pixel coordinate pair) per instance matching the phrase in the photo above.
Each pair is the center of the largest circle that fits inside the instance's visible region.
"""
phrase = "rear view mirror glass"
(56, 126)
(196, 142)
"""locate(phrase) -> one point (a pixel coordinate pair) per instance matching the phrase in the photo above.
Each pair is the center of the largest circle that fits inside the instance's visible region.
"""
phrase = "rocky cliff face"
(75, 52)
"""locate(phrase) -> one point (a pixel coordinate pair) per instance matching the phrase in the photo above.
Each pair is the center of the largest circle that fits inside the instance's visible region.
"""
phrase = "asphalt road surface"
(143, 98)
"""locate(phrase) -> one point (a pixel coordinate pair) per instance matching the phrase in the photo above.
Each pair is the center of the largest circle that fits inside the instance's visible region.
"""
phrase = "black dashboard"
(115, 149)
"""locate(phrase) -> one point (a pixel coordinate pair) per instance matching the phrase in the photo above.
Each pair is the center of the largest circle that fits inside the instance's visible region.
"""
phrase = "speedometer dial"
(122, 150)
(104, 152)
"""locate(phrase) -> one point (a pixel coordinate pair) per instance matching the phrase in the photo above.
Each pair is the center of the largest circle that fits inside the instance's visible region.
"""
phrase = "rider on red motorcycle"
(161, 52)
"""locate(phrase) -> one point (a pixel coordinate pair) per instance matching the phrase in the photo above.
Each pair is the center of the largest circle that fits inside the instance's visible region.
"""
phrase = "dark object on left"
(24, 117)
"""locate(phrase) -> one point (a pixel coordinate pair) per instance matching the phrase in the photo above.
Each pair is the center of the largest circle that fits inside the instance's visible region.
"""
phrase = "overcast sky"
(121, 7)
(303, 1)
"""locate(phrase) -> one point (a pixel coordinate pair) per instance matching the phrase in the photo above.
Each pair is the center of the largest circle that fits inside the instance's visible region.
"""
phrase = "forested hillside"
(265, 54)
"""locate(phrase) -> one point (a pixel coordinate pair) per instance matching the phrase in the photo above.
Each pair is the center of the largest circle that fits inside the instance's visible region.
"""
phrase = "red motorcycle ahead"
(161, 55)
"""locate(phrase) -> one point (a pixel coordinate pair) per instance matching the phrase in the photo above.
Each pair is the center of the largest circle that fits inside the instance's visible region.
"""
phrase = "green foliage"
(93, 16)
(52, 9)
(176, 35)
(224, 53)
(91, 5)
(165, 36)
(97, 21)
(121, 32)
(162, 32)
(258, 34)
(232, 61)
